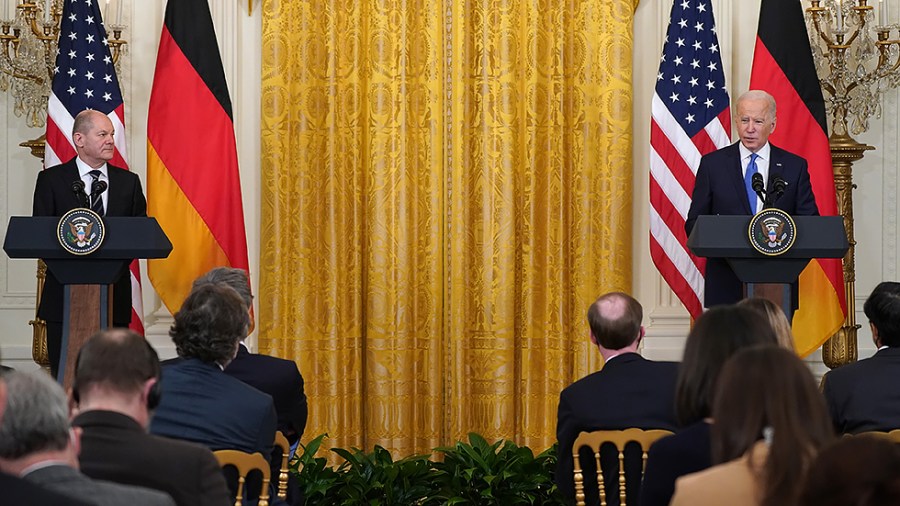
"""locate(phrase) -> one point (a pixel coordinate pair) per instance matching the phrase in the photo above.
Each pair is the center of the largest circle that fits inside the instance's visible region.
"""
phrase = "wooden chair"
(893, 435)
(245, 463)
(282, 442)
(619, 438)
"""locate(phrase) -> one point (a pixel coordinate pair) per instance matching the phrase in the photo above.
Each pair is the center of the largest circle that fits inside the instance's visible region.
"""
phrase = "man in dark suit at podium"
(55, 194)
(724, 185)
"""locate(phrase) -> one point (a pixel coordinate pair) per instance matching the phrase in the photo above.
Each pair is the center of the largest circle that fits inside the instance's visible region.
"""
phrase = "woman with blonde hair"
(776, 317)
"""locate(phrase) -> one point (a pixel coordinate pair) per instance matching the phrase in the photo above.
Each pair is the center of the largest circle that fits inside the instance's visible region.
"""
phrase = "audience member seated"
(776, 317)
(275, 376)
(859, 471)
(37, 444)
(199, 402)
(716, 335)
(865, 396)
(115, 390)
(14, 490)
(770, 421)
(629, 391)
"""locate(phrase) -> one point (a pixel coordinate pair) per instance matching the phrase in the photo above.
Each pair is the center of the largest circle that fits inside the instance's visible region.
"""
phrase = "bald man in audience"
(38, 444)
(116, 388)
(865, 396)
(629, 391)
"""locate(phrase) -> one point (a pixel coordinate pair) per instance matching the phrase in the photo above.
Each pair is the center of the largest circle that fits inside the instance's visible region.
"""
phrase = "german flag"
(193, 184)
(783, 66)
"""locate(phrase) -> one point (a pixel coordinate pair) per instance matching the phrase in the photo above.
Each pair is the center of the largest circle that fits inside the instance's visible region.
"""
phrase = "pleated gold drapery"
(446, 186)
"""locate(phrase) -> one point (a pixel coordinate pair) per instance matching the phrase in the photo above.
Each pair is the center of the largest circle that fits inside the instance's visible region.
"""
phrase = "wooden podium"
(768, 277)
(87, 305)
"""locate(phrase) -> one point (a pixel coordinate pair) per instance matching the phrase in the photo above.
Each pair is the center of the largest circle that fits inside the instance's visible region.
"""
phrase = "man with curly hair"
(199, 402)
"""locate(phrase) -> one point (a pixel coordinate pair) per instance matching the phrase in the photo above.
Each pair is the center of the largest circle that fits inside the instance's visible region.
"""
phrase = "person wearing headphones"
(114, 392)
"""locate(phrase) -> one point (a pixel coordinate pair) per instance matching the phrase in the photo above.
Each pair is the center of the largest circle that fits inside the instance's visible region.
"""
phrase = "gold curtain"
(446, 186)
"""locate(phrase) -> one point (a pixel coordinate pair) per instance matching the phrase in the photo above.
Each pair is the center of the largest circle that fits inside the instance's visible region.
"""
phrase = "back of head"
(36, 417)
(211, 322)
(776, 317)
(717, 334)
(882, 308)
(859, 471)
(768, 391)
(118, 359)
(615, 320)
(237, 279)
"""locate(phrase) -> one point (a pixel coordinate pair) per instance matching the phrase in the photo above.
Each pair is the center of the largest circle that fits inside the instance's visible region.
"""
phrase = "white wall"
(877, 227)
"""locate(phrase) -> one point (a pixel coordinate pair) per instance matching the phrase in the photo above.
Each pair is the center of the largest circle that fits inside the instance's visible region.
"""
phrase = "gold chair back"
(245, 463)
(619, 438)
(893, 435)
(282, 442)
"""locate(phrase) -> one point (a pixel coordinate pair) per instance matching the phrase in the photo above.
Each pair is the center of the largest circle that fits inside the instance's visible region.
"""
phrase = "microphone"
(78, 190)
(758, 186)
(97, 189)
(777, 189)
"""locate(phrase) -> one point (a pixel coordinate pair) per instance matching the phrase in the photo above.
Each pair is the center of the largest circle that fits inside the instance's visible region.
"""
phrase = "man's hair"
(84, 120)
(760, 95)
(211, 322)
(717, 335)
(118, 359)
(882, 308)
(615, 320)
(237, 279)
(36, 417)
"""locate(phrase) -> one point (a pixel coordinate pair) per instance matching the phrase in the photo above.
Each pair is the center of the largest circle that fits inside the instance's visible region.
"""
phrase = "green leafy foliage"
(479, 473)
(318, 481)
(473, 473)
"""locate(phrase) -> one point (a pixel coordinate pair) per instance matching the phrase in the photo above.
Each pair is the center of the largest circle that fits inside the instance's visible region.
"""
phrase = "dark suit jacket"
(279, 378)
(53, 196)
(719, 189)
(672, 457)
(15, 491)
(865, 395)
(630, 391)
(68, 481)
(116, 448)
(201, 403)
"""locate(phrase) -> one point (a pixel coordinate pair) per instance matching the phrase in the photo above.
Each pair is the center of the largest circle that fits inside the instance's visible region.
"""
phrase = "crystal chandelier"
(29, 31)
(856, 59)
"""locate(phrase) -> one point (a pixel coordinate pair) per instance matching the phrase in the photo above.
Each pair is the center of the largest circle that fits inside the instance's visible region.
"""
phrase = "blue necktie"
(748, 182)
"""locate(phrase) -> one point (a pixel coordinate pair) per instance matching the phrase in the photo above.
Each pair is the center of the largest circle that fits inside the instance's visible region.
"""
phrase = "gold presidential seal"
(80, 231)
(772, 231)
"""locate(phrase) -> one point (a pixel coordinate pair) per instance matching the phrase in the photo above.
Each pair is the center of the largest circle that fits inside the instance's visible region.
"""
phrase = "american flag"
(690, 117)
(84, 77)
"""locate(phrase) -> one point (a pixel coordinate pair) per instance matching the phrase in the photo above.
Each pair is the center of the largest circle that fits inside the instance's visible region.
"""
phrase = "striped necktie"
(96, 197)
